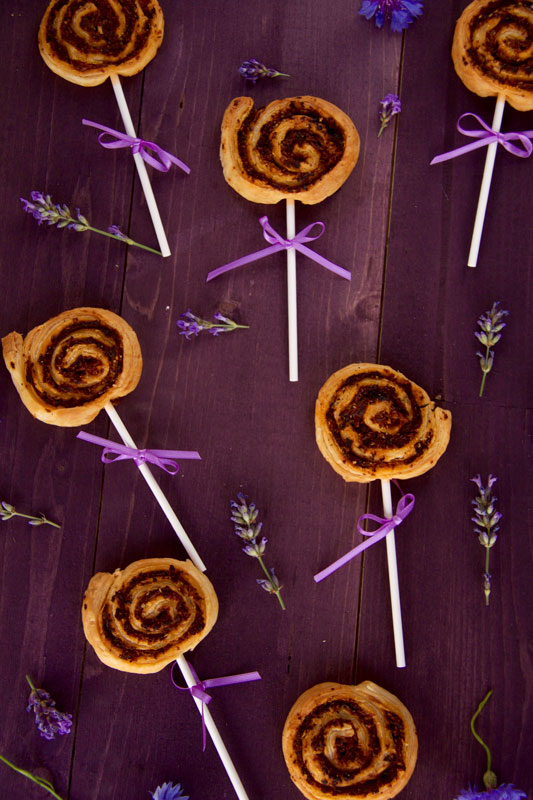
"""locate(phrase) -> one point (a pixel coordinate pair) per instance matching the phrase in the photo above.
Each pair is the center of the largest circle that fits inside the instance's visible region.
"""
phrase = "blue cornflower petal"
(167, 791)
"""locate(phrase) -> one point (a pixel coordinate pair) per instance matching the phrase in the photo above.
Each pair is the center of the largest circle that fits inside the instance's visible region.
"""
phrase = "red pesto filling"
(157, 628)
(347, 748)
(518, 71)
(353, 416)
(71, 387)
(324, 134)
(101, 25)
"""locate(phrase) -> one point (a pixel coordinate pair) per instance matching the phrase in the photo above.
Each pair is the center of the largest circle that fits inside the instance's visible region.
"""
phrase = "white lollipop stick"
(393, 577)
(213, 732)
(141, 167)
(145, 471)
(198, 563)
(291, 293)
(485, 184)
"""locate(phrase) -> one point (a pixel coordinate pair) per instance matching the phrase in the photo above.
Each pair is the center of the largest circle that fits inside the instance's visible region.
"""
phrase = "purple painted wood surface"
(403, 228)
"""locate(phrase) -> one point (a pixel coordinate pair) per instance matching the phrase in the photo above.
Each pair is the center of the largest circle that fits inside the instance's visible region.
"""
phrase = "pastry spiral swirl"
(86, 41)
(492, 50)
(347, 742)
(67, 369)
(143, 617)
(371, 422)
(302, 148)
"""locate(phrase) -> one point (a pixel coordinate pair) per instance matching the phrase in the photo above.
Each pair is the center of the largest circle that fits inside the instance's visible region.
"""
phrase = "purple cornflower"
(504, 792)
(390, 105)
(492, 791)
(244, 516)
(486, 519)
(190, 325)
(399, 13)
(168, 791)
(253, 69)
(43, 209)
(47, 718)
(491, 324)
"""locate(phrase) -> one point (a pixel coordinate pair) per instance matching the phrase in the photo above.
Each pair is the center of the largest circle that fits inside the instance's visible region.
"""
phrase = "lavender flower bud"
(390, 105)
(48, 719)
(254, 69)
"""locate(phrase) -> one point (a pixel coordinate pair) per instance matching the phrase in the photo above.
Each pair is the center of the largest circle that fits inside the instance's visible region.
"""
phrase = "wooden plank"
(456, 648)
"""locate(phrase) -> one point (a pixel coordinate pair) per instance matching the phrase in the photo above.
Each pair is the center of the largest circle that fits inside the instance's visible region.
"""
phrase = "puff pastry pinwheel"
(67, 369)
(372, 422)
(86, 41)
(492, 50)
(348, 742)
(302, 148)
(141, 618)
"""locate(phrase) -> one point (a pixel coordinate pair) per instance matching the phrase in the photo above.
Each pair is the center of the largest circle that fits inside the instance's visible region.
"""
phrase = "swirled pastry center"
(338, 748)
(373, 419)
(152, 613)
(91, 33)
(80, 364)
(501, 42)
(292, 149)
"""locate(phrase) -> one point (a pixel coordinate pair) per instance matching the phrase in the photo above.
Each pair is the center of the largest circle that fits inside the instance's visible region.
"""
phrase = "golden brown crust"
(67, 369)
(141, 618)
(492, 50)
(301, 148)
(86, 41)
(347, 742)
(371, 422)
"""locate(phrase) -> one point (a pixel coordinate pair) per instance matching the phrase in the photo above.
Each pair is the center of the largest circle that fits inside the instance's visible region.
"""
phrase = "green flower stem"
(42, 519)
(476, 734)
(125, 241)
(275, 591)
(42, 782)
(487, 351)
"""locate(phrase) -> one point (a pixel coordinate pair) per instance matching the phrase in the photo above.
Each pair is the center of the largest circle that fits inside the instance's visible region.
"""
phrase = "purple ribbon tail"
(403, 509)
(240, 262)
(199, 687)
(324, 262)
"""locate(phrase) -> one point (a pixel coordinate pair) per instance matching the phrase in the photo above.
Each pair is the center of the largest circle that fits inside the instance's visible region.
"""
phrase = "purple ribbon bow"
(403, 509)
(164, 160)
(119, 452)
(485, 137)
(198, 690)
(278, 243)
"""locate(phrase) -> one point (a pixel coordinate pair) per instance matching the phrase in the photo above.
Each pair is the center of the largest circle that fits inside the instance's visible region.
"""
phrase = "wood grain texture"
(402, 228)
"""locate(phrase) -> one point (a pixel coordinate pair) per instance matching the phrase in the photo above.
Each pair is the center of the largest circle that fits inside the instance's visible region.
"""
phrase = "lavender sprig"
(506, 791)
(42, 208)
(244, 517)
(191, 325)
(390, 105)
(399, 13)
(169, 791)
(491, 326)
(254, 69)
(47, 718)
(486, 521)
(42, 782)
(7, 511)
